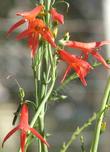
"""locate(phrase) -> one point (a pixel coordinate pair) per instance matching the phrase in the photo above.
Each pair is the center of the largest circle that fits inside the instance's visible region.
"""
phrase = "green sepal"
(21, 93)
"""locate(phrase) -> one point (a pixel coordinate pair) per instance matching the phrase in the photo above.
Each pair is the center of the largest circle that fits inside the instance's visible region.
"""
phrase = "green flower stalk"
(97, 132)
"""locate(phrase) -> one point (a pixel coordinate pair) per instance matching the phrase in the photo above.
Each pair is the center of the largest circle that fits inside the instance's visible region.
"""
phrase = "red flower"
(24, 127)
(35, 28)
(89, 48)
(27, 16)
(57, 16)
(80, 66)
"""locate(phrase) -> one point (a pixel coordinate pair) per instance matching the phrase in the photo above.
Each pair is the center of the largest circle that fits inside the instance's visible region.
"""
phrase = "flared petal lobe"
(9, 134)
(16, 25)
(57, 16)
(100, 58)
(66, 72)
(27, 16)
(39, 136)
(24, 34)
(31, 14)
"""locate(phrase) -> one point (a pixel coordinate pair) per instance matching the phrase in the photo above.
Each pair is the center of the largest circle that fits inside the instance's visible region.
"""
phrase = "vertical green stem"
(41, 89)
(95, 143)
(39, 94)
(42, 114)
(47, 6)
(35, 81)
(36, 93)
(42, 104)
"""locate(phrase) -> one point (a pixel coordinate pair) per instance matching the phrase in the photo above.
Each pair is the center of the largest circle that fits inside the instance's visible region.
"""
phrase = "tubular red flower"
(80, 66)
(27, 16)
(57, 16)
(90, 48)
(24, 127)
(36, 28)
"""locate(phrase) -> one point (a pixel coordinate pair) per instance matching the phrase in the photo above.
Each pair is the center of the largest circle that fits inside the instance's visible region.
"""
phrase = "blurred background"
(86, 21)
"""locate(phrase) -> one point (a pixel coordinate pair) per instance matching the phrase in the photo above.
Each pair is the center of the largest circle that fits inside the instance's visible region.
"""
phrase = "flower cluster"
(37, 30)
(80, 63)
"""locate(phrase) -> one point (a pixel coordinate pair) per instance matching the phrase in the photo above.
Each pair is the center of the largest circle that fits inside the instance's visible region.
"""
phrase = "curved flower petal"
(38, 136)
(81, 73)
(66, 72)
(13, 27)
(99, 58)
(23, 34)
(9, 134)
(31, 14)
(101, 43)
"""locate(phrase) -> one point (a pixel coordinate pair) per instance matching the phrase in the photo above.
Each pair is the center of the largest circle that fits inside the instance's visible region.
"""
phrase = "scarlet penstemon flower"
(27, 17)
(80, 66)
(24, 127)
(57, 16)
(36, 27)
(89, 48)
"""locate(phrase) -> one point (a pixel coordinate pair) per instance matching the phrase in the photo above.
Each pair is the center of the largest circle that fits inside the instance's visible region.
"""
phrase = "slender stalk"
(36, 96)
(47, 95)
(35, 81)
(47, 6)
(42, 103)
(39, 75)
(45, 92)
(37, 71)
(100, 119)
(78, 131)
(42, 90)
